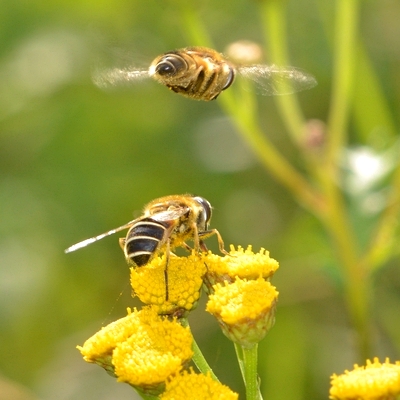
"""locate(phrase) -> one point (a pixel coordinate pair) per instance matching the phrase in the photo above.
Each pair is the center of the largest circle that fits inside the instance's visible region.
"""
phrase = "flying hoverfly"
(167, 222)
(201, 73)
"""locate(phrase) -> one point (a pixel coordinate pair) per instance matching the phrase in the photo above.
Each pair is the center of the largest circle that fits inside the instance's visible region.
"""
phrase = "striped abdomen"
(144, 240)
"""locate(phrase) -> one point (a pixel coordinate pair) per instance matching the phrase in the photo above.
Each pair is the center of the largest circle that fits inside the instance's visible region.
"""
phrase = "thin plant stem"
(239, 356)
(250, 373)
(198, 357)
(245, 119)
(381, 246)
(274, 23)
(383, 242)
(194, 27)
(345, 47)
(356, 280)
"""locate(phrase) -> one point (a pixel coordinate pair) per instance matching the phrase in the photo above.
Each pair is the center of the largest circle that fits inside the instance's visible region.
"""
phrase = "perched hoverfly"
(201, 73)
(166, 223)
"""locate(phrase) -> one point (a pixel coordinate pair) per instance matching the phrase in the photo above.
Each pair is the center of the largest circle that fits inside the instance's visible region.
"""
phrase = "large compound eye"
(170, 65)
(207, 209)
(230, 79)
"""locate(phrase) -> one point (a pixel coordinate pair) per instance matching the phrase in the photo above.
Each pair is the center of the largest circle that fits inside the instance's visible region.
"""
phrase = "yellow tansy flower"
(240, 263)
(196, 387)
(185, 279)
(244, 309)
(144, 348)
(155, 351)
(375, 381)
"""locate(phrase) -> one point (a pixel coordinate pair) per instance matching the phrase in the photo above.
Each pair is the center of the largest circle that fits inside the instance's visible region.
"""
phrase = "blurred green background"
(76, 161)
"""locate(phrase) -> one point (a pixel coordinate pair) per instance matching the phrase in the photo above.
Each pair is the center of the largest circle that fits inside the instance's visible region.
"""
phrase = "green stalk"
(250, 373)
(274, 23)
(337, 221)
(356, 280)
(345, 47)
(245, 118)
(239, 356)
(383, 242)
(198, 357)
(194, 27)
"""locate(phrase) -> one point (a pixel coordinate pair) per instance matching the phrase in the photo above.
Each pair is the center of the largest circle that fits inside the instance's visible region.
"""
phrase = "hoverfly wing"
(273, 80)
(105, 78)
(91, 240)
(170, 215)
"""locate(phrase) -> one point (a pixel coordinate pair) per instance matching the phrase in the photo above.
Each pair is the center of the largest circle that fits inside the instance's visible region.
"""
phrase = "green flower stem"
(345, 46)
(239, 356)
(383, 242)
(356, 281)
(250, 373)
(370, 96)
(336, 220)
(193, 26)
(198, 358)
(274, 23)
(245, 118)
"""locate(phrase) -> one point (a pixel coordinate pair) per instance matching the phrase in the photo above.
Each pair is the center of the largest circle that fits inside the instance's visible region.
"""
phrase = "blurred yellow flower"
(145, 348)
(189, 385)
(185, 279)
(242, 263)
(375, 381)
(244, 309)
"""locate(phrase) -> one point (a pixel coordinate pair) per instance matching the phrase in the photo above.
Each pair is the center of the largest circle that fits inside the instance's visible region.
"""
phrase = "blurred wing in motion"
(105, 78)
(272, 80)
(91, 240)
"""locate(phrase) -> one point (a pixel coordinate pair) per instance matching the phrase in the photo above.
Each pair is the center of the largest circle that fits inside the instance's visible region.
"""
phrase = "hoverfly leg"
(211, 232)
(122, 242)
(167, 255)
(203, 246)
(187, 247)
(196, 238)
(220, 243)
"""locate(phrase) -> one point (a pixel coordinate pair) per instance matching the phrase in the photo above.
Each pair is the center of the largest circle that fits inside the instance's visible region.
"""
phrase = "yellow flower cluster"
(189, 385)
(150, 349)
(375, 381)
(142, 349)
(181, 291)
(242, 299)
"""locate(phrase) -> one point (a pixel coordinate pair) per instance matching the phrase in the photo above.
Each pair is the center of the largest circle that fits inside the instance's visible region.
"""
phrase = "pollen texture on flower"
(375, 381)
(242, 263)
(189, 385)
(185, 279)
(158, 348)
(143, 348)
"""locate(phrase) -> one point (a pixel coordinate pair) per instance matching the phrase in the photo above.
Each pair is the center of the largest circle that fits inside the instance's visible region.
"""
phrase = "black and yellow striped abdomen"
(144, 240)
